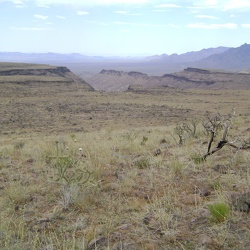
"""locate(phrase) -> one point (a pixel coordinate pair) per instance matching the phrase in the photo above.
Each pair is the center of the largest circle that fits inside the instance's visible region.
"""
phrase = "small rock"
(232, 172)
(203, 191)
(163, 141)
(125, 246)
(43, 220)
(97, 242)
(241, 202)
(221, 169)
(31, 160)
(123, 227)
(204, 241)
(190, 199)
(157, 152)
(152, 223)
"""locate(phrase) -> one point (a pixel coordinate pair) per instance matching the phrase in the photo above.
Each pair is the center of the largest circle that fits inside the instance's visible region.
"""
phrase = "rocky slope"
(33, 73)
(111, 80)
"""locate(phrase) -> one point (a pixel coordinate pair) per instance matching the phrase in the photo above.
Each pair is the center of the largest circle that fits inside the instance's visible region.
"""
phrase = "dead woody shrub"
(186, 130)
(221, 124)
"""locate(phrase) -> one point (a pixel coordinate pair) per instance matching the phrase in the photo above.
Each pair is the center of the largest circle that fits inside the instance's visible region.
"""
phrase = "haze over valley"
(221, 58)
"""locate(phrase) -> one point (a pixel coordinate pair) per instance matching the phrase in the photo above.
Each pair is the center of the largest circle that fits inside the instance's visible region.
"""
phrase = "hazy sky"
(122, 27)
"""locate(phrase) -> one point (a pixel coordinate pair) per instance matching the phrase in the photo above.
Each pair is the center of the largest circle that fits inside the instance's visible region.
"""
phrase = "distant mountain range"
(223, 58)
(187, 57)
(45, 57)
(235, 59)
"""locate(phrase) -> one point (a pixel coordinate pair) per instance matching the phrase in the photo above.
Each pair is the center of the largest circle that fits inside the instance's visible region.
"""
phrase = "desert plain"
(87, 169)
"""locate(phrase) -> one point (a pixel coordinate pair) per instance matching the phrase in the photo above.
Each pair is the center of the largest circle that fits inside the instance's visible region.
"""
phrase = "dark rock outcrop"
(60, 71)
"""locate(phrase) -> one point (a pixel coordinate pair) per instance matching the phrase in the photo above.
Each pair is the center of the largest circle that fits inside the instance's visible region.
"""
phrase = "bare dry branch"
(216, 123)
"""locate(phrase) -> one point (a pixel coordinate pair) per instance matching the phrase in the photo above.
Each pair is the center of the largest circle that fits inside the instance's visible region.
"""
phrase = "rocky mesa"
(112, 80)
(22, 73)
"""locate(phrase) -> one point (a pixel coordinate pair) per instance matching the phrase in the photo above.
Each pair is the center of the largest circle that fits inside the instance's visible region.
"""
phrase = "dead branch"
(216, 123)
(220, 145)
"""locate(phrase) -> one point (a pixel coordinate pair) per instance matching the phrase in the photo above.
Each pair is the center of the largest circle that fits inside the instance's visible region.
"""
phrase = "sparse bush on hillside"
(185, 131)
(63, 164)
(70, 173)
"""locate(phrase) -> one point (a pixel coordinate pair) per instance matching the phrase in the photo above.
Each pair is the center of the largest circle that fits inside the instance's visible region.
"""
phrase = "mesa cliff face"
(59, 71)
(21, 73)
(112, 80)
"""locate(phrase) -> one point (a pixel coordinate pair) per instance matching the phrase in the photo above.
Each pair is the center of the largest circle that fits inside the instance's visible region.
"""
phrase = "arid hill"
(111, 80)
(21, 73)
(233, 59)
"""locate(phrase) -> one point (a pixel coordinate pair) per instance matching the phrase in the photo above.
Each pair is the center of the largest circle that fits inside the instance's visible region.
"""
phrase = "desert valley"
(135, 153)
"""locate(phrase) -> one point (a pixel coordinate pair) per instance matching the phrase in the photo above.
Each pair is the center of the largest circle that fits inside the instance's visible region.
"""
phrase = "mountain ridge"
(232, 59)
(188, 56)
(221, 58)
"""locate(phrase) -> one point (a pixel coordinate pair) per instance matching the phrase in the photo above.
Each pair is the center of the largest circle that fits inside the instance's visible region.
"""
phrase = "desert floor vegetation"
(124, 189)
(89, 170)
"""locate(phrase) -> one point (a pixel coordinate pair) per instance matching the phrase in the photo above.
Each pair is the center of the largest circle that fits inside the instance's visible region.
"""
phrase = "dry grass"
(13, 66)
(41, 108)
(134, 199)
(89, 170)
(27, 79)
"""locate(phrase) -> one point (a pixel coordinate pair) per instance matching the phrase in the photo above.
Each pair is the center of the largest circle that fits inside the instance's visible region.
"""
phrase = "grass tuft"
(219, 211)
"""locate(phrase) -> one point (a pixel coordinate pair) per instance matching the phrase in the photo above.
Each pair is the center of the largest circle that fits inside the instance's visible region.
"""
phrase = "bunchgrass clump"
(142, 163)
(197, 158)
(19, 145)
(219, 211)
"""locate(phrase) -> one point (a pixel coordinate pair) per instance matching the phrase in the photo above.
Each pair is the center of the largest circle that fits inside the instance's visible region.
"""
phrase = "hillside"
(111, 80)
(234, 59)
(98, 170)
(95, 170)
(21, 73)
